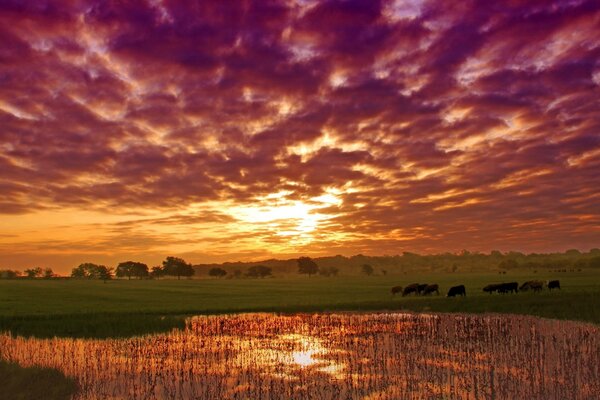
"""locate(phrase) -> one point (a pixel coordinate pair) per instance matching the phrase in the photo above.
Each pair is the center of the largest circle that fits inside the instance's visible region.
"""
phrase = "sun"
(304, 358)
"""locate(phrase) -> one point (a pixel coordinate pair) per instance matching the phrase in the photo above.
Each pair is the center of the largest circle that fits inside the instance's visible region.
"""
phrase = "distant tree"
(237, 273)
(92, 271)
(258, 271)
(594, 262)
(33, 272)
(9, 274)
(572, 252)
(48, 273)
(384, 272)
(132, 268)
(367, 269)
(104, 273)
(175, 266)
(307, 266)
(328, 271)
(157, 272)
(496, 253)
(217, 272)
(508, 264)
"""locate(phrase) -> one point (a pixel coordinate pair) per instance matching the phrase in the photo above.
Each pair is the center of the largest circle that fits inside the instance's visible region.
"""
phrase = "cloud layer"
(246, 129)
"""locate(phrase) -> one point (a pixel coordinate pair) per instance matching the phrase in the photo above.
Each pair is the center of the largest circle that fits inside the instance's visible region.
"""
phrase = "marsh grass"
(382, 356)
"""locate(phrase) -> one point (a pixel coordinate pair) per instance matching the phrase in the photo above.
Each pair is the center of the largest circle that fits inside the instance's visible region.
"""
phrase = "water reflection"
(330, 356)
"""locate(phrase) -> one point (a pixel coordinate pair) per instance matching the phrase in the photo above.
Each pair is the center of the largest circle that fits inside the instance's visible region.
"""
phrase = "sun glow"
(304, 358)
(284, 217)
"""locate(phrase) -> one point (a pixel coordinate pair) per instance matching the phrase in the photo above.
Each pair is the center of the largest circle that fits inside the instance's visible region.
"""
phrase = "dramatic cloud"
(227, 130)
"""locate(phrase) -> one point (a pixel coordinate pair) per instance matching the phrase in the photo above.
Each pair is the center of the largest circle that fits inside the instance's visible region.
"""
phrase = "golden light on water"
(304, 358)
(329, 356)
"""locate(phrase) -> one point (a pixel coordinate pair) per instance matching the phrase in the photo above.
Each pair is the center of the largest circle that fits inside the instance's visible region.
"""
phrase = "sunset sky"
(255, 129)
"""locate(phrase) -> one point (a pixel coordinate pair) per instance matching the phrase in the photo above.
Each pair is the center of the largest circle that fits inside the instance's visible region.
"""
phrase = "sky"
(225, 131)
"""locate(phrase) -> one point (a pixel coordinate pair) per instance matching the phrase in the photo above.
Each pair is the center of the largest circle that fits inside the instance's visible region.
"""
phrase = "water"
(332, 356)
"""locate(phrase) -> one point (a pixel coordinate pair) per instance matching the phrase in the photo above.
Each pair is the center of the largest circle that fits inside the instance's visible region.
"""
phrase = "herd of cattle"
(460, 290)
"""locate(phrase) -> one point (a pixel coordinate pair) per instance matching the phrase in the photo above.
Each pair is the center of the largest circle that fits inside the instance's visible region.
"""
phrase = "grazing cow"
(421, 288)
(554, 284)
(491, 288)
(413, 288)
(536, 286)
(512, 287)
(457, 291)
(396, 290)
(431, 288)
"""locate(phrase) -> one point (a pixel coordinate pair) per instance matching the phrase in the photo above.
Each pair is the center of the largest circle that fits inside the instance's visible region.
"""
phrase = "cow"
(412, 288)
(491, 288)
(554, 284)
(536, 286)
(396, 290)
(457, 291)
(421, 288)
(512, 287)
(431, 288)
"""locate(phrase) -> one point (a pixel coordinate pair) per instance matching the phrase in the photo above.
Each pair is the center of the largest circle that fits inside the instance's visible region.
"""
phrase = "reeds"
(332, 356)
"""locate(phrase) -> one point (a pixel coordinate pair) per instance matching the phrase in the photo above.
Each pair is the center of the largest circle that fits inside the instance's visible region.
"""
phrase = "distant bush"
(328, 271)
(217, 272)
(9, 274)
(259, 271)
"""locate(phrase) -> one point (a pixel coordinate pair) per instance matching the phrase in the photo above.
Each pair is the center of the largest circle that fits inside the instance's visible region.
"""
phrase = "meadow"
(122, 308)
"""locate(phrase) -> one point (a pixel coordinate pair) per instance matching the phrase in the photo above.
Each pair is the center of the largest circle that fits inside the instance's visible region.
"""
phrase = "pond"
(332, 356)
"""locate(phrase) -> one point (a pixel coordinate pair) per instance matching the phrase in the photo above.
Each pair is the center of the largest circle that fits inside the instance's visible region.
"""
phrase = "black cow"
(396, 290)
(554, 284)
(421, 288)
(457, 291)
(413, 288)
(491, 288)
(536, 286)
(512, 287)
(431, 288)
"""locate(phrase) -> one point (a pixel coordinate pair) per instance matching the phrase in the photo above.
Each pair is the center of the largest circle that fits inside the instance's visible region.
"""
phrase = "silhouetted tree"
(367, 269)
(157, 272)
(92, 271)
(48, 273)
(237, 273)
(33, 272)
(307, 266)
(217, 272)
(175, 266)
(258, 271)
(132, 268)
(104, 273)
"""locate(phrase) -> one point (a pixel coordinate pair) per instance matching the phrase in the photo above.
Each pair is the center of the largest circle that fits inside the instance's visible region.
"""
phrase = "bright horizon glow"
(319, 128)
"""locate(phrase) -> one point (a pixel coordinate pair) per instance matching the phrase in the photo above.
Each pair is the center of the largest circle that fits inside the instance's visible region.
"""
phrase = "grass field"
(34, 383)
(124, 308)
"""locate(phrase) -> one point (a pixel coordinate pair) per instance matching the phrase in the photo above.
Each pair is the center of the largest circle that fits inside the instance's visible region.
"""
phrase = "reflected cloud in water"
(330, 356)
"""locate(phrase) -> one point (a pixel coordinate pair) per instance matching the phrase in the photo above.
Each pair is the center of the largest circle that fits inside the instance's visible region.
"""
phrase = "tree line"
(570, 260)
(171, 266)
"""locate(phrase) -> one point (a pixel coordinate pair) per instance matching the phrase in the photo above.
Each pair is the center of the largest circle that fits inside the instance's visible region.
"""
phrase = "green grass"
(35, 383)
(123, 308)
